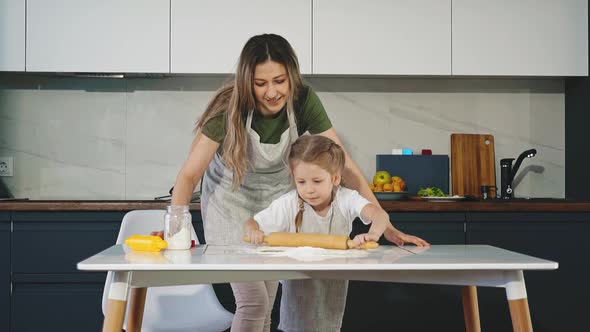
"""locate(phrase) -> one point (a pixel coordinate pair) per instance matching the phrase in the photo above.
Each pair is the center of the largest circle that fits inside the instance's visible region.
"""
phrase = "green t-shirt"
(310, 115)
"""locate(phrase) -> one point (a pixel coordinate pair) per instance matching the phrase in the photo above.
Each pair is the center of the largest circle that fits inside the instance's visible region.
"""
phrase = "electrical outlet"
(6, 166)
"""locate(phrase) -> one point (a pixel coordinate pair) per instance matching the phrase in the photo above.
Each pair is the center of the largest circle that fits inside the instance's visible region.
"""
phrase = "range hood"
(109, 75)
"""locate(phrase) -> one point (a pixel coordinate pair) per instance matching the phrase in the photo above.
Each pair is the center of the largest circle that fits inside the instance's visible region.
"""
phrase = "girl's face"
(271, 87)
(314, 184)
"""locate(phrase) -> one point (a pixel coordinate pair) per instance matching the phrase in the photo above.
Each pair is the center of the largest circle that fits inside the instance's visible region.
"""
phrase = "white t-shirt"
(280, 215)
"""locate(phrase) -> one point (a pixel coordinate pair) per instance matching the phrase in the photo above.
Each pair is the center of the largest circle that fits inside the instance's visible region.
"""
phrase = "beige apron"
(316, 305)
(225, 211)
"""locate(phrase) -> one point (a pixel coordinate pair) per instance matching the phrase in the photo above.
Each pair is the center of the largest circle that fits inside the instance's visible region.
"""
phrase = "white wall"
(74, 138)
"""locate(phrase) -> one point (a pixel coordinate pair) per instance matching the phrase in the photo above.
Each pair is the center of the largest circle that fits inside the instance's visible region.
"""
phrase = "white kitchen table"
(463, 265)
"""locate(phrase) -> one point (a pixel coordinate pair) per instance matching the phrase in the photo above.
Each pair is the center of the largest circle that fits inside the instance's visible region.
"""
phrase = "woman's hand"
(400, 238)
(158, 233)
(361, 239)
(255, 236)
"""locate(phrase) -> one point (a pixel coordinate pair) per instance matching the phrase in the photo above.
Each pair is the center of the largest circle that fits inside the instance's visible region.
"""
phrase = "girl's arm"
(354, 179)
(252, 231)
(379, 224)
(275, 218)
(379, 221)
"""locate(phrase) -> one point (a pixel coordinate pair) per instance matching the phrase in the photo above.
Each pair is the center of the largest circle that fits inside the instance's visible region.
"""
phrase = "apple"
(381, 178)
(398, 184)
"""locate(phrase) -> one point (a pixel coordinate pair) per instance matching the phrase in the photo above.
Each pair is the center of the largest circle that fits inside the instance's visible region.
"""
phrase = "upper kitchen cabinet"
(12, 35)
(382, 37)
(207, 36)
(520, 37)
(98, 36)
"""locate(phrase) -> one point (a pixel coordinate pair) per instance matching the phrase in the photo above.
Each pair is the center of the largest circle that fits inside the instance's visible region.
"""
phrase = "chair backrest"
(177, 308)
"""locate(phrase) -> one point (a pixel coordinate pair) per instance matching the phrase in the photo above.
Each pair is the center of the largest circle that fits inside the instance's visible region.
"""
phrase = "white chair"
(171, 308)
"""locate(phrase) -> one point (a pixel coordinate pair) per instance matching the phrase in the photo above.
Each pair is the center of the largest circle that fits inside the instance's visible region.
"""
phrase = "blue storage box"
(417, 170)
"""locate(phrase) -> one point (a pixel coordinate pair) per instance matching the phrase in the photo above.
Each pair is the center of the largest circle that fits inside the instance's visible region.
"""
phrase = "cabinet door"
(4, 271)
(60, 307)
(12, 35)
(207, 36)
(403, 305)
(557, 298)
(98, 36)
(522, 37)
(382, 37)
(436, 228)
(54, 242)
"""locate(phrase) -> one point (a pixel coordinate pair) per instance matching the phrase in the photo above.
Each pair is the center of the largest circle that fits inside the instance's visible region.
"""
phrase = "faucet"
(507, 172)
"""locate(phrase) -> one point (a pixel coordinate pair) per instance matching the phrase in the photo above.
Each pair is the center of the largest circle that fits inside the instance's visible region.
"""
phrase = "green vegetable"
(431, 191)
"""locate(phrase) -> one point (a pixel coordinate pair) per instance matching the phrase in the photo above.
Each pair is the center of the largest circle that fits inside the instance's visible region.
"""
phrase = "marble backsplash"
(111, 139)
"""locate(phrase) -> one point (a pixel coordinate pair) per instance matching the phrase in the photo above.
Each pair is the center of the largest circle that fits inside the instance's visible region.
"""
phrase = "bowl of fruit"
(387, 187)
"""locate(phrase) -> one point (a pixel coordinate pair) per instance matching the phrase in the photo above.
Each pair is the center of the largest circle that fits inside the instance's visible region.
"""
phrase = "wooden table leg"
(117, 303)
(521, 317)
(115, 315)
(136, 307)
(471, 309)
(518, 302)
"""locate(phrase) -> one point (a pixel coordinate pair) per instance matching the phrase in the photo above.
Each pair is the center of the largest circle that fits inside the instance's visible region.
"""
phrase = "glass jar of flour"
(177, 227)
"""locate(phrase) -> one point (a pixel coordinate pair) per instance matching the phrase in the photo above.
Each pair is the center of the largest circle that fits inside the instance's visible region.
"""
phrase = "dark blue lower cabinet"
(56, 307)
(54, 242)
(379, 306)
(409, 307)
(436, 228)
(558, 298)
(48, 292)
(4, 271)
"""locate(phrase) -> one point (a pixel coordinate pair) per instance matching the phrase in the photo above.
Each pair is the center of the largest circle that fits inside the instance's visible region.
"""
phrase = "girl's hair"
(236, 97)
(318, 150)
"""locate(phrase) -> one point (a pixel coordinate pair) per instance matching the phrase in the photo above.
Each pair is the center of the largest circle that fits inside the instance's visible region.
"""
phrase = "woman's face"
(271, 87)
(314, 184)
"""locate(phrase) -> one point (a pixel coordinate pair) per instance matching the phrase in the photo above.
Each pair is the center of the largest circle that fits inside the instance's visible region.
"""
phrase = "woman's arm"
(354, 179)
(379, 224)
(352, 176)
(202, 152)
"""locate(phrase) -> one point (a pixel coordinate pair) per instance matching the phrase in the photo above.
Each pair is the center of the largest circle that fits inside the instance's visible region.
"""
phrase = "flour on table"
(310, 253)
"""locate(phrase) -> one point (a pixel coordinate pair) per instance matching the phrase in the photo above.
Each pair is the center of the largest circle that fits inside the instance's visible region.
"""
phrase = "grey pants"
(254, 302)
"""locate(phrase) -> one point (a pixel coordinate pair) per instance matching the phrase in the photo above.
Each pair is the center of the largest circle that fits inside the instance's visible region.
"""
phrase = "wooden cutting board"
(473, 164)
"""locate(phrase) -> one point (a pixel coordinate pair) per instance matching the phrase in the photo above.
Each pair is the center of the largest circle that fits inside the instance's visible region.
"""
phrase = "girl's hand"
(364, 238)
(400, 238)
(255, 236)
(158, 233)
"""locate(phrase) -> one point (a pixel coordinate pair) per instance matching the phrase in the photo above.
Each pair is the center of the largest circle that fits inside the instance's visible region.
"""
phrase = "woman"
(242, 142)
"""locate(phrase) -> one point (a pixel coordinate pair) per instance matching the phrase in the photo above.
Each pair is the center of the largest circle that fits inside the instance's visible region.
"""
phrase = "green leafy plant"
(431, 192)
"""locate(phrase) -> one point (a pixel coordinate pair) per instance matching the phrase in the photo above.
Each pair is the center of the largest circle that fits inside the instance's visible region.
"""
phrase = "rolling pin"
(312, 240)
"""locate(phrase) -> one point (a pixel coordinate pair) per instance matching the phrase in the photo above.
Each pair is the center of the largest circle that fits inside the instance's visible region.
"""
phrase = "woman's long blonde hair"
(318, 150)
(236, 97)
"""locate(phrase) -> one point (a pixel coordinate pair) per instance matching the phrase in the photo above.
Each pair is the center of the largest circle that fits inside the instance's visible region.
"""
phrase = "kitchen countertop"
(520, 205)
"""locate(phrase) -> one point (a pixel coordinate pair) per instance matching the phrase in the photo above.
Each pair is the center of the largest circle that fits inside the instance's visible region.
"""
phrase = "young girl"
(319, 205)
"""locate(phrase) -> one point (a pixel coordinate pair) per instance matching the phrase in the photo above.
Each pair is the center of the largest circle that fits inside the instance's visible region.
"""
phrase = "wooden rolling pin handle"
(247, 239)
(313, 240)
(366, 245)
